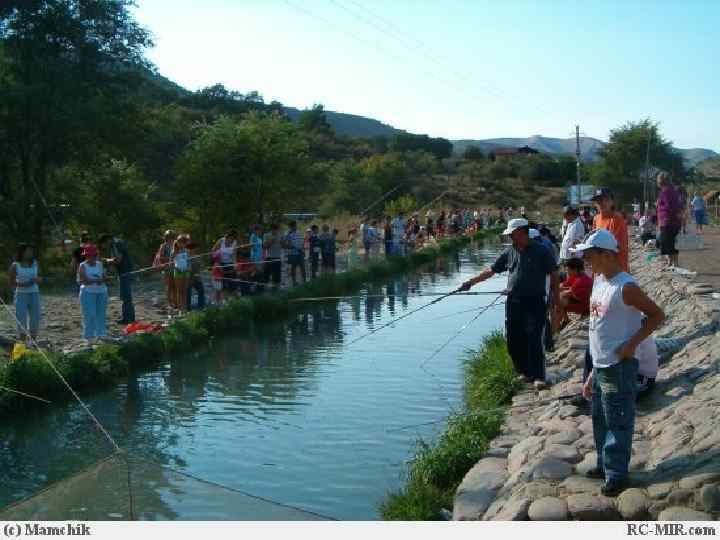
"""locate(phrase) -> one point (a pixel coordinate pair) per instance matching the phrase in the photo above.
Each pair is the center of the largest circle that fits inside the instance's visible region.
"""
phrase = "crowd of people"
(621, 361)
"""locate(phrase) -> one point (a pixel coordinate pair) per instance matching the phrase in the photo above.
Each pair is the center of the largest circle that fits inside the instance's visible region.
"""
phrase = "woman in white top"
(93, 294)
(617, 333)
(24, 278)
(181, 271)
(227, 248)
(163, 259)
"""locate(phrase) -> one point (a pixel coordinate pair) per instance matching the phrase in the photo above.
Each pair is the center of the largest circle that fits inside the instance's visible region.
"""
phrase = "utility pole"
(646, 187)
(577, 161)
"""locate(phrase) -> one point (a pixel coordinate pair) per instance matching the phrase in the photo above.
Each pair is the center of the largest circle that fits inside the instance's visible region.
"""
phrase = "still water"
(288, 412)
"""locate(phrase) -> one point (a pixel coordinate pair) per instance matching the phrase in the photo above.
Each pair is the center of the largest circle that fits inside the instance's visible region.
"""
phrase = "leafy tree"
(407, 142)
(623, 158)
(64, 63)
(315, 121)
(473, 153)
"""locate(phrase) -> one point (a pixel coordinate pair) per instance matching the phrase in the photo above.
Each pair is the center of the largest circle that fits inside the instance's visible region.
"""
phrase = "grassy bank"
(438, 468)
(102, 366)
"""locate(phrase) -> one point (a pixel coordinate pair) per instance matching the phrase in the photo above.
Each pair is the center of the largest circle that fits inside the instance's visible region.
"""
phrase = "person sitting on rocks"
(574, 293)
(617, 306)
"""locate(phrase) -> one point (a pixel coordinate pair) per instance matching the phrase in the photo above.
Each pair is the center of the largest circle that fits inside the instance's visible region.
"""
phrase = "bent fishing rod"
(487, 411)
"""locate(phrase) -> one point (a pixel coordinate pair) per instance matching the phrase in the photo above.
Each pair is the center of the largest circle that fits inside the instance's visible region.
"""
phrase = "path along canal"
(288, 412)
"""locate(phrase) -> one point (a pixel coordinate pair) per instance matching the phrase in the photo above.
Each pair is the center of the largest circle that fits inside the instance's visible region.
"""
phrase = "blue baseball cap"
(602, 192)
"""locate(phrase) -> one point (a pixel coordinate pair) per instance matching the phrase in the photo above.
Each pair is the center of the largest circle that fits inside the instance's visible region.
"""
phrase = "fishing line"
(87, 410)
(23, 394)
(473, 310)
(418, 295)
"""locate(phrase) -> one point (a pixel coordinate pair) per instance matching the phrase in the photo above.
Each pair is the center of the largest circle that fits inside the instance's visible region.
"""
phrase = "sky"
(458, 69)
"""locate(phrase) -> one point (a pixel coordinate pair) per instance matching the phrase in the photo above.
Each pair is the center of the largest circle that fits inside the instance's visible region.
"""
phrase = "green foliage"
(473, 153)
(405, 204)
(624, 157)
(439, 467)
(408, 142)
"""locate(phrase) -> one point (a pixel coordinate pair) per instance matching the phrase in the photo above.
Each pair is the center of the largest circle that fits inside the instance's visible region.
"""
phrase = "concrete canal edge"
(102, 366)
(535, 468)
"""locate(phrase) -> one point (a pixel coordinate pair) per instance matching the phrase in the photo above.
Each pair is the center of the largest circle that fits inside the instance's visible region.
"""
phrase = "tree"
(408, 142)
(624, 157)
(473, 153)
(315, 121)
(63, 61)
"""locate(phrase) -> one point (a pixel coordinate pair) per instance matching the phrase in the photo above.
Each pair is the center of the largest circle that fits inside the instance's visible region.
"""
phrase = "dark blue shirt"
(528, 269)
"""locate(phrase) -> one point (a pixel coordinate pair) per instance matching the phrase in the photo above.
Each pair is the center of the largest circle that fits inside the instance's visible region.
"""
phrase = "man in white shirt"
(574, 233)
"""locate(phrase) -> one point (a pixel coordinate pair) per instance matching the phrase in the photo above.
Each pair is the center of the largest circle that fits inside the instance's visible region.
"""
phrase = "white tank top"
(24, 274)
(182, 261)
(227, 252)
(93, 272)
(612, 322)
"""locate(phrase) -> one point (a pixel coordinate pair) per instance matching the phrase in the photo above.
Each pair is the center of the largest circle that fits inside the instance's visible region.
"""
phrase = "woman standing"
(163, 259)
(227, 248)
(24, 278)
(669, 214)
(93, 294)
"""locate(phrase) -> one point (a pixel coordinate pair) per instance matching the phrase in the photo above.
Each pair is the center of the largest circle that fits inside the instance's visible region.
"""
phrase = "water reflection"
(286, 410)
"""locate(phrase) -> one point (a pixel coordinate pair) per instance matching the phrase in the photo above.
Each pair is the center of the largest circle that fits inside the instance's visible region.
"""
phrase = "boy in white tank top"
(617, 306)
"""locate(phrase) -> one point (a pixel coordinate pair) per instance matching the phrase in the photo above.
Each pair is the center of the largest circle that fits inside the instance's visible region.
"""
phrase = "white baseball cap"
(600, 239)
(515, 224)
(534, 233)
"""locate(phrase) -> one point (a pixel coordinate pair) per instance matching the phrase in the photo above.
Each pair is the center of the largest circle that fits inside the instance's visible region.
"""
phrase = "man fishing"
(529, 263)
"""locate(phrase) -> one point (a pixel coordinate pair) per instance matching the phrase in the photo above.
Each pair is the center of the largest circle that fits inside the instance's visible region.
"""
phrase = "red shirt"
(580, 286)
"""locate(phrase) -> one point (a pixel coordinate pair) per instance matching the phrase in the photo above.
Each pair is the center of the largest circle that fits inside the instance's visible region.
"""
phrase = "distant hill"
(351, 125)
(710, 167)
(589, 147)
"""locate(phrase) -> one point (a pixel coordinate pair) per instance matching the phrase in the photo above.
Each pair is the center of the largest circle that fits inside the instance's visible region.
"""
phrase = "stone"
(548, 509)
(568, 411)
(497, 453)
(522, 452)
(538, 490)
(504, 442)
(680, 497)
(478, 489)
(581, 484)
(556, 425)
(588, 507)
(633, 504)
(680, 513)
(709, 498)
(699, 479)
(515, 509)
(655, 508)
(587, 442)
(563, 452)
(588, 462)
(551, 469)
(565, 437)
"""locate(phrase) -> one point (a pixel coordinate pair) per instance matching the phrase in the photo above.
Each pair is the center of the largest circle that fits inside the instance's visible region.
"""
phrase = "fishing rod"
(349, 297)
(405, 316)
(473, 310)
(381, 199)
(485, 411)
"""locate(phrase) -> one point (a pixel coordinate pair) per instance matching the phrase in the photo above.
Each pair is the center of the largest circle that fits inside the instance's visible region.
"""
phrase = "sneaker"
(613, 488)
(596, 473)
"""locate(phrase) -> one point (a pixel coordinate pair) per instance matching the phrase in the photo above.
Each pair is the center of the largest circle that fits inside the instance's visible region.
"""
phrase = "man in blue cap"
(529, 264)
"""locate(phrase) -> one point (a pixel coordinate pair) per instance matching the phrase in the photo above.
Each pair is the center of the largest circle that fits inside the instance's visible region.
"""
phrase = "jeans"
(314, 264)
(613, 417)
(27, 311)
(128, 309)
(94, 307)
(197, 284)
(524, 328)
(273, 270)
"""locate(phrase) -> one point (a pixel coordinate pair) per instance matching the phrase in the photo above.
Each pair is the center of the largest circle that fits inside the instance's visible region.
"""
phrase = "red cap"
(90, 250)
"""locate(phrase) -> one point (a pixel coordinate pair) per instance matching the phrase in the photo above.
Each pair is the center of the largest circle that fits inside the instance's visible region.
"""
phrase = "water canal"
(288, 412)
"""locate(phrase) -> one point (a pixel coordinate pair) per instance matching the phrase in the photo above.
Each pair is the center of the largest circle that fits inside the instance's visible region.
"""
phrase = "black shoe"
(613, 488)
(596, 473)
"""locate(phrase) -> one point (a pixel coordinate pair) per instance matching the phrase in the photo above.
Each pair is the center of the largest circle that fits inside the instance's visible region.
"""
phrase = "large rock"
(548, 509)
(681, 497)
(565, 437)
(660, 490)
(538, 490)
(587, 507)
(633, 504)
(588, 462)
(680, 513)
(699, 479)
(516, 509)
(478, 489)
(523, 451)
(563, 452)
(556, 425)
(581, 484)
(709, 498)
(551, 469)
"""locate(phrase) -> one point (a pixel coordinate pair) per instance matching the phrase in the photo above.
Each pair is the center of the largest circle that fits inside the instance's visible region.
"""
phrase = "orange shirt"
(618, 227)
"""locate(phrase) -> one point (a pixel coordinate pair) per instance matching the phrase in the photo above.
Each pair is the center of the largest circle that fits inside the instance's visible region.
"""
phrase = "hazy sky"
(459, 68)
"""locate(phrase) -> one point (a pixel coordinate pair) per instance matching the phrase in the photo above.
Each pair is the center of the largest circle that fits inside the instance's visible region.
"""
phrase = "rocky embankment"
(536, 468)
